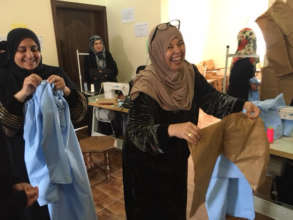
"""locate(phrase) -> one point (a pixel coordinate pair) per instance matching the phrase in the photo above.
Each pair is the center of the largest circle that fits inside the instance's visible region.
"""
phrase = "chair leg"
(107, 165)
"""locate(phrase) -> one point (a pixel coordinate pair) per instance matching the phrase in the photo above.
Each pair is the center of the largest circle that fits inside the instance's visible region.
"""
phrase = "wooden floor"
(108, 196)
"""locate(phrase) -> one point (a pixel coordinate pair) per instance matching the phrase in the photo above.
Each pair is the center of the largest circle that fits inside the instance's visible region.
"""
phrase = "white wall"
(208, 26)
(35, 15)
(128, 50)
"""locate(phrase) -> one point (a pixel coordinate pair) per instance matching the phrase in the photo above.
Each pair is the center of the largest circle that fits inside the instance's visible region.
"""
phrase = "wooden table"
(282, 147)
(113, 107)
(109, 104)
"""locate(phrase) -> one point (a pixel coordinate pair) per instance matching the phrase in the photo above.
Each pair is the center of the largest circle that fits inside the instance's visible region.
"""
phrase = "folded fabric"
(229, 192)
(241, 140)
(270, 114)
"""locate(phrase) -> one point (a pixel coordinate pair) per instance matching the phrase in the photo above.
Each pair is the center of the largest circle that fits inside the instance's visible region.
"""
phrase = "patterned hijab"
(173, 90)
(100, 56)
(246, 46)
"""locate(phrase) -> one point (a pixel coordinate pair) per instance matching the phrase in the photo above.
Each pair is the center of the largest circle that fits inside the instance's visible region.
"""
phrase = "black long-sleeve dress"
(12, 119)
(92, 74)
(242, 71)
(12, 202)
(154, 164)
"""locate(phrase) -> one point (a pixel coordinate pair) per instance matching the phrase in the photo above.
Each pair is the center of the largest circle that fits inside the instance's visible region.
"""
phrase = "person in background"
(99, 66)
(18, 82)
(3, 53)
(166, 97)
(243, 68)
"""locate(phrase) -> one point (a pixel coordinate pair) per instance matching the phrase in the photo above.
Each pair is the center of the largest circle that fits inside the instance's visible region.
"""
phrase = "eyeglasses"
(165, 26)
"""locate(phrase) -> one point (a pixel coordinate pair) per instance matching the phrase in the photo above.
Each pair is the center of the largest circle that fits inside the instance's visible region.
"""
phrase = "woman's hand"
(32, 193)
(187, 131)
(30, 83)
(252, 111)
(59, 84)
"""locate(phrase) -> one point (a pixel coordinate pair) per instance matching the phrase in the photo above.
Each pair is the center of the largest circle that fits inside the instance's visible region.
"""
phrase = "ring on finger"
(189, 134)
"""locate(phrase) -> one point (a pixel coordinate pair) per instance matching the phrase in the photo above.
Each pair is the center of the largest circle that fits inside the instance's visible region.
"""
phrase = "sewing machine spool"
(286, 112)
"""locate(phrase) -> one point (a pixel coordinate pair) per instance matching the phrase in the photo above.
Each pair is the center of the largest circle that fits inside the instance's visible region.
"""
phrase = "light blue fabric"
(287, 128)
(270, 115)
(53, 157)
(229, 192)
(253, 95)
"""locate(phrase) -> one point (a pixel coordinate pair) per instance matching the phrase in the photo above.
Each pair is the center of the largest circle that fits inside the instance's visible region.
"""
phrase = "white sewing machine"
(111, 87)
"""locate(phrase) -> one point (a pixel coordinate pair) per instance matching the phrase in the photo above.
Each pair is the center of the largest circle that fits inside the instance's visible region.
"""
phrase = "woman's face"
(98, 46)
(27, 54)
(175, 54)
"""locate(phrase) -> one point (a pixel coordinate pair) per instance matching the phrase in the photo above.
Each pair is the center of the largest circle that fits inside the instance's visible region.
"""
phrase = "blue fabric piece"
(229, 192)
(270, 115)
(53, 157)
(287, 127)
(254, 80)
(253, 95)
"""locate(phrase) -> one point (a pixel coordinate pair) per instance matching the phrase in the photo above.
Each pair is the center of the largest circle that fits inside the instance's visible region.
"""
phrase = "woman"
(243, 68)
(15, 196)
(99, 66)
(18, 82)
(166, 98)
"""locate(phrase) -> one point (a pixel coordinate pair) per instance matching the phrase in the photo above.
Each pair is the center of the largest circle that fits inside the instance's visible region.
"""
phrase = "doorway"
(74, 23)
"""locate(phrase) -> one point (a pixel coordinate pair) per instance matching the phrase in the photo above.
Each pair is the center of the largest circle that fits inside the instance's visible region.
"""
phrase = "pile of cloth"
(277, 28)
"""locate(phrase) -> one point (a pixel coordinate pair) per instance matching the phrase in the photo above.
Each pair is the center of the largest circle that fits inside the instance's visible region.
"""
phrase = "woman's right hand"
(32, 193)
(29, 86)
(186, 130)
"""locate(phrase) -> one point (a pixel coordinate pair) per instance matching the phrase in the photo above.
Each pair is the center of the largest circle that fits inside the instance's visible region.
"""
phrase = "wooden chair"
(99, 144)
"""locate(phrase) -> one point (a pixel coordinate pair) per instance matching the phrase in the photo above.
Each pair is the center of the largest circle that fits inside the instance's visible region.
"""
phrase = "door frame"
(79, 6)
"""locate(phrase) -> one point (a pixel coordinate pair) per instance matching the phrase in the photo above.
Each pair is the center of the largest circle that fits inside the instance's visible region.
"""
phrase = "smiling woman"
(165, 101)
(28, 55)
(18, 82)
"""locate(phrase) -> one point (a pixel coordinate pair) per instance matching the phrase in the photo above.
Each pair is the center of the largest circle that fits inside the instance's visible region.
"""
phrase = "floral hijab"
(246, 46)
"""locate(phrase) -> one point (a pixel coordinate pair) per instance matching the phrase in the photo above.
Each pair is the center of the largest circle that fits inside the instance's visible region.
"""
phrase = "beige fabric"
(270, 84)
(241, 140)
(277, 28)
(277, 53)
(282, 14)
(286, 87)
(173, 90)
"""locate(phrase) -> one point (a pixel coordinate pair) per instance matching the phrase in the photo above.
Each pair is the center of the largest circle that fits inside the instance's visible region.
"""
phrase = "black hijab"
(3, 55)
(14, 38)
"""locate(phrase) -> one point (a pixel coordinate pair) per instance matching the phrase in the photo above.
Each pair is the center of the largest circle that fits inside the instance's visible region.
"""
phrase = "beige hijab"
(172, 90)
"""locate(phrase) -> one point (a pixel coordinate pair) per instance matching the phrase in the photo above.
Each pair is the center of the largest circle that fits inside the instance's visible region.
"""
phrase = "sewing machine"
(111, 87)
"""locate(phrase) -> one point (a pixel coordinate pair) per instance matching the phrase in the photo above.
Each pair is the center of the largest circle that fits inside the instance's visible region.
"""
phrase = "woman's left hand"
(59, 84)
(252, 111)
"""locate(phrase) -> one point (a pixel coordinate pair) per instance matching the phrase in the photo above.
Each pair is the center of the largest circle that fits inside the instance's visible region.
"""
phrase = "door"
(74, 23)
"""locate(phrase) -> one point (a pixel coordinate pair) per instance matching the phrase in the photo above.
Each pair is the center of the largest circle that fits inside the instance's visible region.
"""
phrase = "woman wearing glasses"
(18, 82)
(166, 97)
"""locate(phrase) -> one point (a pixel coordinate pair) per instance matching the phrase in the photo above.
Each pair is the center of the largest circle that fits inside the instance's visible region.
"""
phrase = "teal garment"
(229, 192)
(53, 157)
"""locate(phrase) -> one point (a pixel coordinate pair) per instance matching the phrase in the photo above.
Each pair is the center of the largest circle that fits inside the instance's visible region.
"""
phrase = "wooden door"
(74, 23)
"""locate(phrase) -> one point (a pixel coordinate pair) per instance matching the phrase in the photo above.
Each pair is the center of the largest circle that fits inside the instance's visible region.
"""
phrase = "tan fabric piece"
(241, 140)
(270, 87)
(277, 53)
(282, 14)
